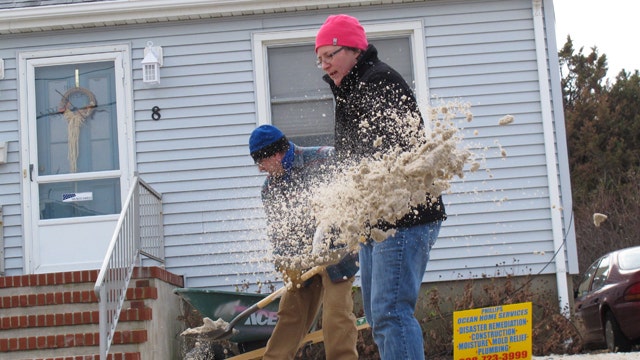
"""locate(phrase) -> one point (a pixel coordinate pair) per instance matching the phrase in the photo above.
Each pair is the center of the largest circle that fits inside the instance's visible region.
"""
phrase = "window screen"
(302, 103)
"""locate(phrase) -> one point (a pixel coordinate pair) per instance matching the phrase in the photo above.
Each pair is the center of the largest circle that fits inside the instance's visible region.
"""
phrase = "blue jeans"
(391, 273)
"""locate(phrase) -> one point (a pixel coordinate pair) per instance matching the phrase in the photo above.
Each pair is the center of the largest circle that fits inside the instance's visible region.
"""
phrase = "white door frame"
(27, 62)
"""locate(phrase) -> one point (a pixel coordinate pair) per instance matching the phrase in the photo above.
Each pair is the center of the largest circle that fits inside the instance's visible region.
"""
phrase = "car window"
(629, 259)
(601, 274)
(585, 283)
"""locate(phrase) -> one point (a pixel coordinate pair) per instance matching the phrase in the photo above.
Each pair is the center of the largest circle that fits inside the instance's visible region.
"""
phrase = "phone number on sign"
(504, 356)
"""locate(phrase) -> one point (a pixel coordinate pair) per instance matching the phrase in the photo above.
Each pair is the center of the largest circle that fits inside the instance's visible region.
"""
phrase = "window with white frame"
(291, 93)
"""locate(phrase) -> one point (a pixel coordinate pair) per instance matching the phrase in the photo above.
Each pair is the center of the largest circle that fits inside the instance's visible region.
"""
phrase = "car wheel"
(616, 341)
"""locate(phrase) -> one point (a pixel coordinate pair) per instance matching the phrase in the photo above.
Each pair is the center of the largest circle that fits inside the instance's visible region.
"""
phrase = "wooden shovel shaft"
(278, 293)
(270, 298)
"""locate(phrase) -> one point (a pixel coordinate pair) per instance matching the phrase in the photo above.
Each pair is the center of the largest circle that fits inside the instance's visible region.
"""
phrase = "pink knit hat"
(342, 30)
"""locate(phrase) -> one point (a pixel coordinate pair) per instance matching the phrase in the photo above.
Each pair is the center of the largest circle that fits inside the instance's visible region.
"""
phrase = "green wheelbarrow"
(226, 305)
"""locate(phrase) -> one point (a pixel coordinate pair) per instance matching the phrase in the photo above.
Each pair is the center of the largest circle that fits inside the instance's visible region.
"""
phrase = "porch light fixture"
(151, 64)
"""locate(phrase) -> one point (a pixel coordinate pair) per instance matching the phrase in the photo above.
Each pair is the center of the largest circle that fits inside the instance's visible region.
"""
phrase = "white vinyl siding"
(499, 221)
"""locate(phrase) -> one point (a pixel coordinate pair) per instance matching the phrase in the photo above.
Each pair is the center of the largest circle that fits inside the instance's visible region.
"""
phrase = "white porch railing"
(138, 232)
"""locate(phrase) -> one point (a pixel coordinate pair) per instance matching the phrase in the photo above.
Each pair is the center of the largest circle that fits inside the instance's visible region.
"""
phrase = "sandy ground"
(593, 356)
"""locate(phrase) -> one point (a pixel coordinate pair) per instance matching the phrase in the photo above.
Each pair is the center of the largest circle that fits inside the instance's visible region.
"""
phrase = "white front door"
(76, 158)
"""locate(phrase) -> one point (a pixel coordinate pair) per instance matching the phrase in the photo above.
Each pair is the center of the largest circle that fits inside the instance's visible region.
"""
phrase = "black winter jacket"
(375, 94)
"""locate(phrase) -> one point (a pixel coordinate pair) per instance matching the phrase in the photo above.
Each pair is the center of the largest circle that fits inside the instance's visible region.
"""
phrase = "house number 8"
(155, 113)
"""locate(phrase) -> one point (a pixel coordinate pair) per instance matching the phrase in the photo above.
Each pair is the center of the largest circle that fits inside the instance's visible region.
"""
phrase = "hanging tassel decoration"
(75, 118)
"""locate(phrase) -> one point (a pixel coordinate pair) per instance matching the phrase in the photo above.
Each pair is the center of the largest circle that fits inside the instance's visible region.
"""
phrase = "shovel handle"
(311, 272)
(276, 294)
(271, 297)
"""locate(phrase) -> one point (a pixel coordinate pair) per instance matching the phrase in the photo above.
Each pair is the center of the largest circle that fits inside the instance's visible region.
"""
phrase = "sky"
(612, 26)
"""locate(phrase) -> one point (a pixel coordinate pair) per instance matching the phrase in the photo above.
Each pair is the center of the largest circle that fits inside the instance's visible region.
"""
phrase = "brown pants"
(297, 311)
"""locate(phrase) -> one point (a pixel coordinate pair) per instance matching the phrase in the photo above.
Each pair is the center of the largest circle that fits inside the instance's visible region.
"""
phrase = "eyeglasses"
(327, 58)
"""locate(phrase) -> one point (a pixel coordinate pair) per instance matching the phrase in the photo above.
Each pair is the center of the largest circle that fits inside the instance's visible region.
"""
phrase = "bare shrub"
(621, 204)
(552, 332)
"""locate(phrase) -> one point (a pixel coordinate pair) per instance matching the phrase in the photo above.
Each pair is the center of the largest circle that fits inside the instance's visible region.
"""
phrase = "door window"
(77, 139)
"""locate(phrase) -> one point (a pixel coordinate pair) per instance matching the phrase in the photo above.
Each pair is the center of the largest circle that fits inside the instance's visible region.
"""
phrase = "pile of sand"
(387, 186)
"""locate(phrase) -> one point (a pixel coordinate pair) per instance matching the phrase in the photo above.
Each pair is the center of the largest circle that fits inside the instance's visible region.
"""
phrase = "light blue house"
(79, 123)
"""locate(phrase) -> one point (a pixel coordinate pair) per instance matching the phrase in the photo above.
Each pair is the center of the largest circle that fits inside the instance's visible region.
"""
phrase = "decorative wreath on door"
(75, 117)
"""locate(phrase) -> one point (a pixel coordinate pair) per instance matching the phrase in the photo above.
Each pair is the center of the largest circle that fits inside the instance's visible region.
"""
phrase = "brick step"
(28, 343)
(45, 289)
(84, 276)
(62, 278)
(61, 320)
(64, 330)
(51, 298)
(69, 309)
(50, 309)
(118, 356)
(71, 297)
(68, 319)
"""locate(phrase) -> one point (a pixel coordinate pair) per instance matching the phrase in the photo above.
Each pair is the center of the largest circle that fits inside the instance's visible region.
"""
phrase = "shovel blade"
(216, 330)
(224, 334)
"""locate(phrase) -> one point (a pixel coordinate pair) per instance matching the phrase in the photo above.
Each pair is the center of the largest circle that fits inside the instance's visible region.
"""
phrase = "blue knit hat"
(265, 141)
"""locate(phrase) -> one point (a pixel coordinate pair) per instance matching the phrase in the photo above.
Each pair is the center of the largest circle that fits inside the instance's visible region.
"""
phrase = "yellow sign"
(493, 333)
